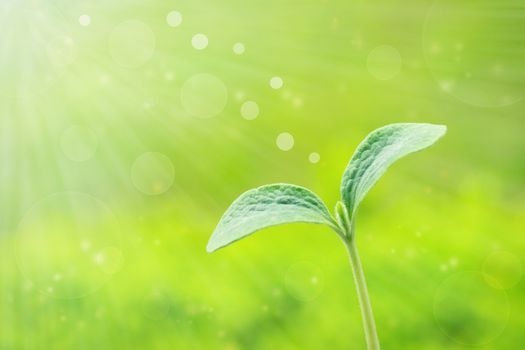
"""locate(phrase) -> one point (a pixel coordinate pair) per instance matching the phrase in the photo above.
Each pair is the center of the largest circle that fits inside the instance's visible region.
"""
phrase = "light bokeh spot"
(84, 20)
(285, 141)
(276, 83)
(79, 143)
(250, 110)
(470, 311)
(199, 41)
(204, 96)
(132, 44)
(314, 157)
(384, 62)
(152, 173)
(238, 48)
(174, 19)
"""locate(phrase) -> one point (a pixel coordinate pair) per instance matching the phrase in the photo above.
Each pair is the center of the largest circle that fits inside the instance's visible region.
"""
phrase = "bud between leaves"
(341, 215)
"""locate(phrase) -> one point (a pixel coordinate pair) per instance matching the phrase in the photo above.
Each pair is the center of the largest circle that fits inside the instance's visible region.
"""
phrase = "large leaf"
(267, 206)
(381, 148)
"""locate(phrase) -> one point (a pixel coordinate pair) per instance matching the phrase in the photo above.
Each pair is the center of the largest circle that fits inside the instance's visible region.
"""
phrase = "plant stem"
(369, 324)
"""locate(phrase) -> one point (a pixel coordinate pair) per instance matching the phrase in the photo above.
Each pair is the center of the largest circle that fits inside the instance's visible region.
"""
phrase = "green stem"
(369, 324)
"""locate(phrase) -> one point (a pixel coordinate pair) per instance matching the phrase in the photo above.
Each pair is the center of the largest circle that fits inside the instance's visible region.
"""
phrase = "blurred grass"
(434, 216)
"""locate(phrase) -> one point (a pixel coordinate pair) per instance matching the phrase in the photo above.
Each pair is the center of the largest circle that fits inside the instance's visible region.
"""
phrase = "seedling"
(278, 204)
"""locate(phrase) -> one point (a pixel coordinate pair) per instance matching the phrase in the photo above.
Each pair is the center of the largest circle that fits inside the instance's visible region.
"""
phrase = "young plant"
(277, 204)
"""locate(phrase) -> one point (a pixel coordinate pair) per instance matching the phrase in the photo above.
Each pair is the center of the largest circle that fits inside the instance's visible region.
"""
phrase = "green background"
(118, 157)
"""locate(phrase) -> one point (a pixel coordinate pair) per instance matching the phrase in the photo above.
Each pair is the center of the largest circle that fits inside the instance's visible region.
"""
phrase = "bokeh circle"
(384, 62)
(204, 95)
(314, 157)
(285, 141)
(152, 173)
(276, 83)
(174, 18)
(199, 41)
(250, 110)
(238, 48)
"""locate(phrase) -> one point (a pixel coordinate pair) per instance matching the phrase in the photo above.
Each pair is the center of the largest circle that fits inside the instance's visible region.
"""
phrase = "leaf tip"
(432, 132)
(211, 247)
(442, 129)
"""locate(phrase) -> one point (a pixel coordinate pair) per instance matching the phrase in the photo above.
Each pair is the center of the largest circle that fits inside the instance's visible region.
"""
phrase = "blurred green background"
(128, 127)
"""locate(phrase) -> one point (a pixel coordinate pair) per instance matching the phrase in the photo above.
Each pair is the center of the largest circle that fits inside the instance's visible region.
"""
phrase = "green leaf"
(267, 206)
(381, 148)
